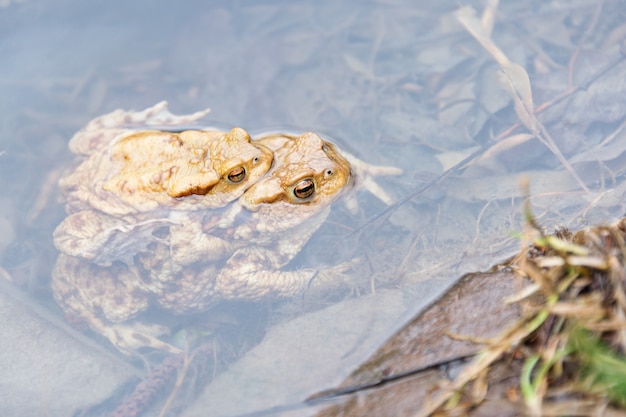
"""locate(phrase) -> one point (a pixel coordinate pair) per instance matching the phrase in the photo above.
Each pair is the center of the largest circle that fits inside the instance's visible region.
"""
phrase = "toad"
(236, 252)
(130, 181)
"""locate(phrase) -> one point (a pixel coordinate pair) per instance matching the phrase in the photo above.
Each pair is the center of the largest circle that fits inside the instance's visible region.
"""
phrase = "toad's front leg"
(254, 274)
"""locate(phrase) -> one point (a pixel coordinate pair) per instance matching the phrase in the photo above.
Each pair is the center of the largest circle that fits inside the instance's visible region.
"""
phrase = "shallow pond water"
(394, 82)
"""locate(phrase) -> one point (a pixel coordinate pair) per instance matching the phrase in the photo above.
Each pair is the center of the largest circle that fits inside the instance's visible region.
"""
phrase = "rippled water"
(394, 82)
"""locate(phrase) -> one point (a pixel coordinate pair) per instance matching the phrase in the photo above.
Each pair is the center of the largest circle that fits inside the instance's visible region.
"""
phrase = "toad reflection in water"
(189, 259)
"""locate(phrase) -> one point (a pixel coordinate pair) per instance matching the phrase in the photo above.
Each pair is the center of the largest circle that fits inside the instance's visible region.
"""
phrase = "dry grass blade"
(573, 336)
(489, 16)
(515, 80)
(504, 145)
(517, 83)
(467, 16)
(498, 346)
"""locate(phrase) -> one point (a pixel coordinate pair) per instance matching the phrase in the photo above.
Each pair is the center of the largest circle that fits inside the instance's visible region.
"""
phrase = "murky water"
(393, 82)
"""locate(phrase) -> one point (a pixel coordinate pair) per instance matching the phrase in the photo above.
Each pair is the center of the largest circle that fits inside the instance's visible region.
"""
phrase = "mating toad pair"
(180, 219)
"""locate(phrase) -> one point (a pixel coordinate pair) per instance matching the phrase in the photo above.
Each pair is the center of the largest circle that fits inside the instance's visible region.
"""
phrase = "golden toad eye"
(237, 175)
(304, 189)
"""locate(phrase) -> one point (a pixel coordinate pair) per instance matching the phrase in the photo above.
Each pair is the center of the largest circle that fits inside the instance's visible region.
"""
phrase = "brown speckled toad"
(238, 251)
(131, 182)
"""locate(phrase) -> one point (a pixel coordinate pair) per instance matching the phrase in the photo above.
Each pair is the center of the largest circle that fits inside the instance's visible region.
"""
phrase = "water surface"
(394, 82)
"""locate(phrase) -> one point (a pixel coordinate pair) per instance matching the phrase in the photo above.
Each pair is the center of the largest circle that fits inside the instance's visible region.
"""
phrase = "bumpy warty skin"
(142, 234)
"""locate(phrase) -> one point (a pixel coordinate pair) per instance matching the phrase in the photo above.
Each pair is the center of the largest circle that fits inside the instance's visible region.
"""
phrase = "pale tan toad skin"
(258, 234)
(236, 252)
(139, 171)
(130, 181)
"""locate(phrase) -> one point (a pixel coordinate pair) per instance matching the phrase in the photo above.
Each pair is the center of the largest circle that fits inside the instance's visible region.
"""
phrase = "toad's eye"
(237, 175)
(304, 189)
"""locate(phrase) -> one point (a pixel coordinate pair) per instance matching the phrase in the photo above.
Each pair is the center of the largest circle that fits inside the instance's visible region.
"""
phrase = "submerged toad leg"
(128, 338)
(249, 275)
(189, 243)
(254, 273)
(103, 297)
(102, 239)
